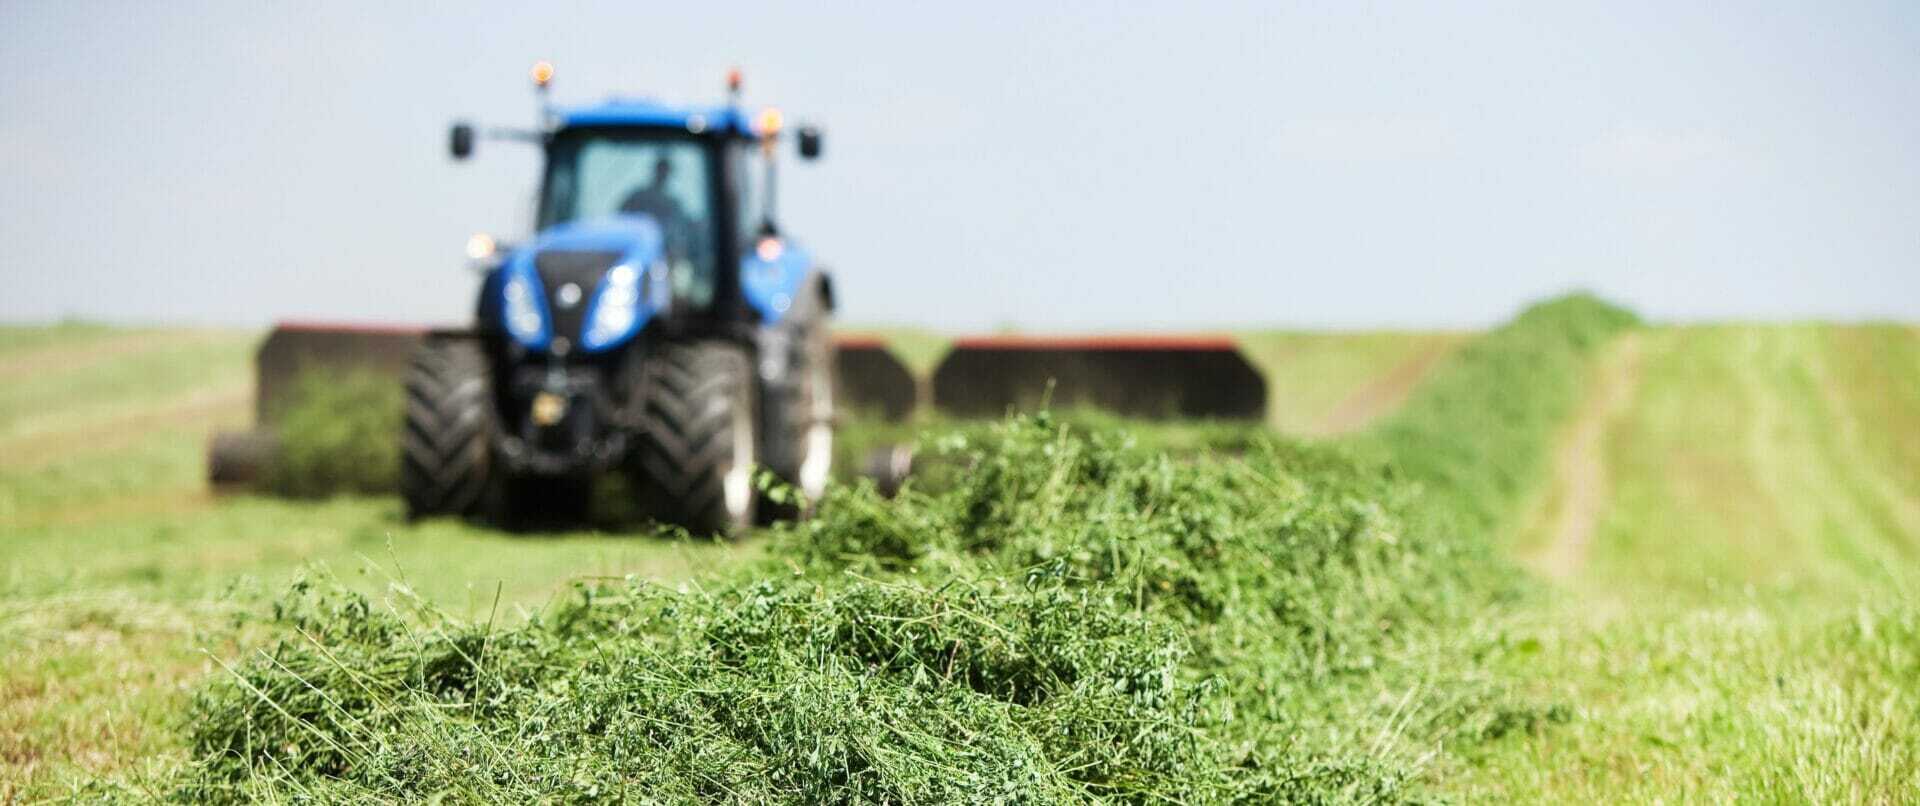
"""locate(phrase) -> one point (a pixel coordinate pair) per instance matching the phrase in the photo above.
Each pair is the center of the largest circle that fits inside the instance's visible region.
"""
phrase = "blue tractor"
(658, 325)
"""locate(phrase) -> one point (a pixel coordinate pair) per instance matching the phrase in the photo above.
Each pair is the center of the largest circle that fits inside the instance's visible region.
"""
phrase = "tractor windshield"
(666, 175)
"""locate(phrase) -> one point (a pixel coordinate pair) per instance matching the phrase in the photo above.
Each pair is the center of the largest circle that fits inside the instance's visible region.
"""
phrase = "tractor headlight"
(523, 312)
(615, 308)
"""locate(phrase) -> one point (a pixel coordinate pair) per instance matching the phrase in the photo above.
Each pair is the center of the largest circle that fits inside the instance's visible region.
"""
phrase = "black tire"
(446, 450)
(798, 411)
(693, 462)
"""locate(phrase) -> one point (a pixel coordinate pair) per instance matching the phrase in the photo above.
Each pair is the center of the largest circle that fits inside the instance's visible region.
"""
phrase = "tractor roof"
(642, 112)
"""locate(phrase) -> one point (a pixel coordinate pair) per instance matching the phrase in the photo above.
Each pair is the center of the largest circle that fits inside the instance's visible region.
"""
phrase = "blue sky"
(1083, 166)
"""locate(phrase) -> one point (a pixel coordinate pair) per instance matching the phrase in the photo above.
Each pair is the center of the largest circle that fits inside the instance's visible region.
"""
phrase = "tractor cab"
(669, 205)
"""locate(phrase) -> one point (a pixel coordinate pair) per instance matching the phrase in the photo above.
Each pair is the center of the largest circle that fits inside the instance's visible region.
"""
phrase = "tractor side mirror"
(460, 141)
(809, 143)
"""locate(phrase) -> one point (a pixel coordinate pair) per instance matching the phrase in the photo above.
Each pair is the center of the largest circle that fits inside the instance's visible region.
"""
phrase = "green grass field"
(1725, 548)
(1739, 619)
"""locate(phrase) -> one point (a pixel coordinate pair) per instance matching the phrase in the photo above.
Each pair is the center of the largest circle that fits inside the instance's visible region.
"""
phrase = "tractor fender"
(796, 384)
(799, 336)
(813, 301)
(775, 280)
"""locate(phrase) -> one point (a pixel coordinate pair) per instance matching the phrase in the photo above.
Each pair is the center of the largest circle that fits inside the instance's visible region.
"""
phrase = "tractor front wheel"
(693, 462)
(446, 450)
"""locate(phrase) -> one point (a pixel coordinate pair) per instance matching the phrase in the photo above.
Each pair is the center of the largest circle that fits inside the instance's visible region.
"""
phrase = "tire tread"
(445, 450)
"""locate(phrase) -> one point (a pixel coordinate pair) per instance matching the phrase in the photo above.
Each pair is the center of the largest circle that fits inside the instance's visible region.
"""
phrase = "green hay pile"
(1046, 632)
(340, 434)
(778, 690)
(1063, 615)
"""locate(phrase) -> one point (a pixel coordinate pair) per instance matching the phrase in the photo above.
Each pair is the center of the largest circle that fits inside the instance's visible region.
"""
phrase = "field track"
(1327, 384)
(1580, 486)
(1385, 393)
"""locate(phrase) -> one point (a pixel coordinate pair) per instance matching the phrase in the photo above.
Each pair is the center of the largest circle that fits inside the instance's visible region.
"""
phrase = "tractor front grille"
(583, 269)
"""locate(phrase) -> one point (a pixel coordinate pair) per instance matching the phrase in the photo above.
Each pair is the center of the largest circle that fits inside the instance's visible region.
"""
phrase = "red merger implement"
(871, 380)
(1139, 376)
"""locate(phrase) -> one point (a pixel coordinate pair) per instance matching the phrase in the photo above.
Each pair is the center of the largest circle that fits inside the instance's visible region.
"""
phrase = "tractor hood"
(587, 285)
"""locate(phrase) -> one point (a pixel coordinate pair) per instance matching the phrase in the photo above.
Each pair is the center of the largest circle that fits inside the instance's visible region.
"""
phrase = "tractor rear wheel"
(693, 462)
(446, 450)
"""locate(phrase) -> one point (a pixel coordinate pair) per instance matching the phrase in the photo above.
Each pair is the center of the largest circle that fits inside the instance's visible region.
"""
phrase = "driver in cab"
(656, 200)
(684, 244)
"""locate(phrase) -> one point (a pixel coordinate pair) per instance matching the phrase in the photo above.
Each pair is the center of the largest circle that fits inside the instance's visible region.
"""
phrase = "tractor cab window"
(751, 175)
(667, 177)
